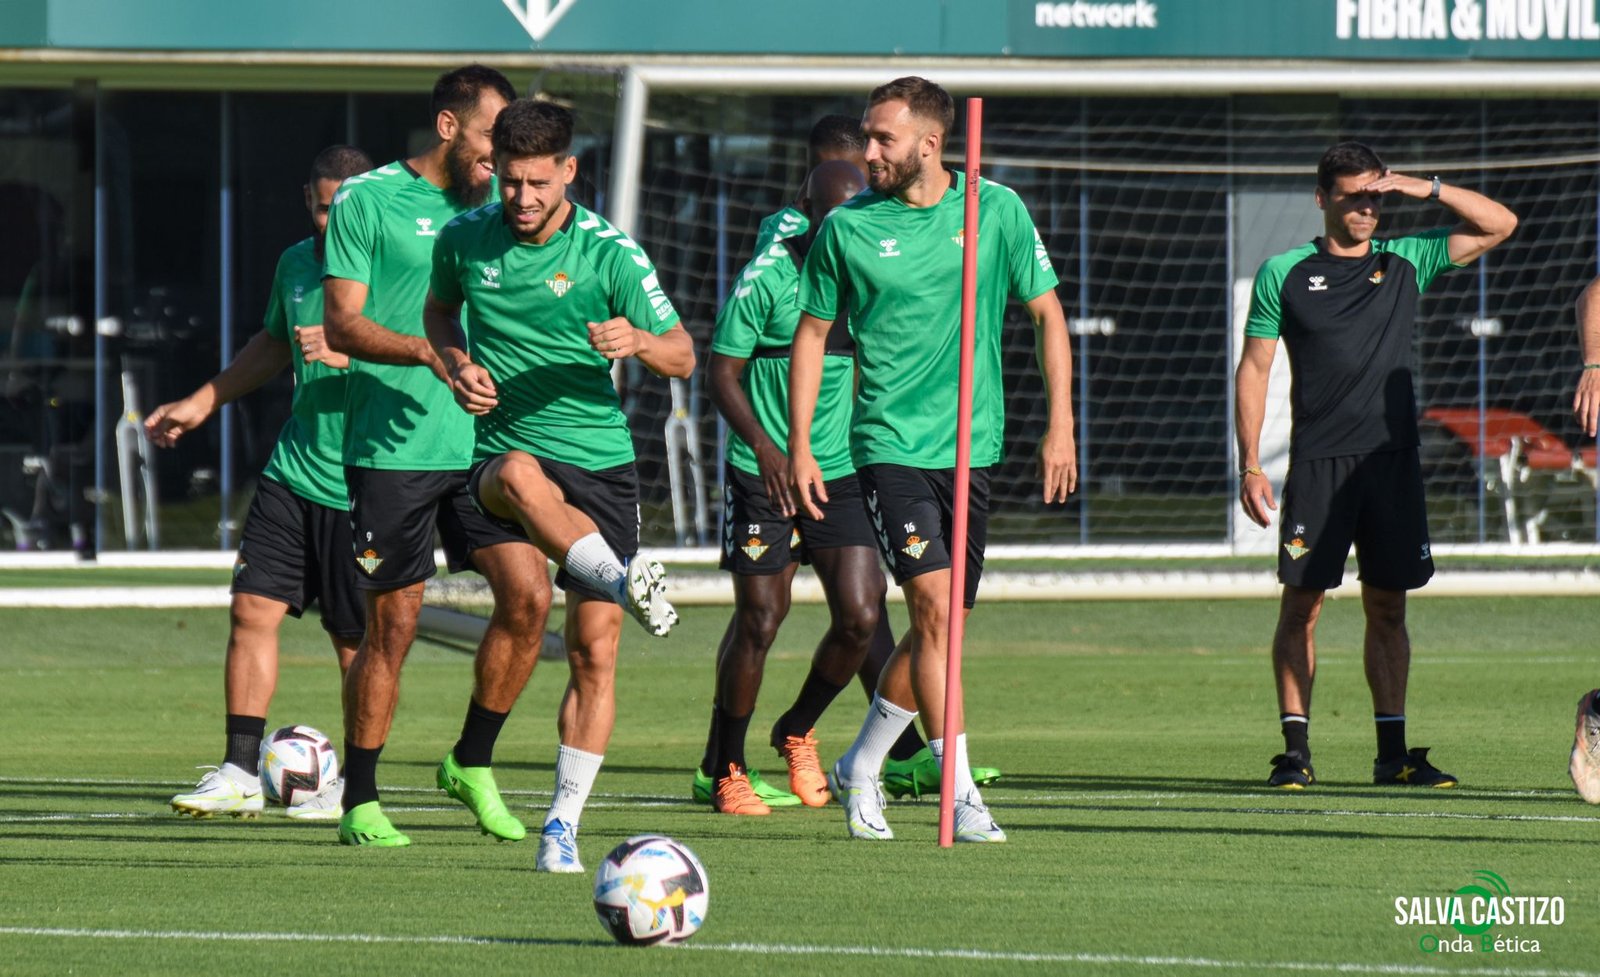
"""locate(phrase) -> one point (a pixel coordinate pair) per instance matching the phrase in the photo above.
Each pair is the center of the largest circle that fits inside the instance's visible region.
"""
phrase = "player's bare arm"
(805, 381)
(1250, 409)
(350, 332)
(471, 384)
(734, 406)
(261, 359)
(313, 345)
(1058, 451)
(1484, 223)
(671, 354)
(1586, 402)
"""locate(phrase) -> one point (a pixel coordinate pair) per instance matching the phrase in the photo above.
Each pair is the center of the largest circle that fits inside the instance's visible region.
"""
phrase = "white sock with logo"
(884, 723)
(966, 790)
(575, 774)
(592, 561)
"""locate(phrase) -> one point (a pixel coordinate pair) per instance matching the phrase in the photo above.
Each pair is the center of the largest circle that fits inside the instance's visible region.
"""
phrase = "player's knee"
(1386, 612)
(250, 613)
(758, 626)
(857, 622)
(521, 480)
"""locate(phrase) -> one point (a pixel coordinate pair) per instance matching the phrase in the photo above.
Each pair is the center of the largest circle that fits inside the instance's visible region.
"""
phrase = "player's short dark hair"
(1346, 159)
(925, 100)
(529, 127)
(458, 91)
(338, 162)
(838, 134)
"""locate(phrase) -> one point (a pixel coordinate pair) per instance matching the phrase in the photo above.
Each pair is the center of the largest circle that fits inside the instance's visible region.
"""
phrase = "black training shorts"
(912, 514)
(758, 539)
(298, 551)
(393, 515)
(1374, 501)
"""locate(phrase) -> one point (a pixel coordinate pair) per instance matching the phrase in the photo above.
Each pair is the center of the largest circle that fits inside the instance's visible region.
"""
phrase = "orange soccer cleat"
(734, 795)
(806, 778)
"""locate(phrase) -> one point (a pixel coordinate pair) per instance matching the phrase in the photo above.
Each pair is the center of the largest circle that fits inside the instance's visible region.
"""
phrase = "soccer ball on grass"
(651, 891)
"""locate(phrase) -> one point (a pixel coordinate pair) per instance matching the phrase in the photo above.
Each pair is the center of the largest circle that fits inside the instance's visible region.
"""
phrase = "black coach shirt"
(1347, 324)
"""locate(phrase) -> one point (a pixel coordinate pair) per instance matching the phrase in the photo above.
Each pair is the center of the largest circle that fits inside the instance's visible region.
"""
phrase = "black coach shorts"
(1374, 501)
(912, 514)
(297, 551)
(609, 496)
(393, 516)
(758, 539)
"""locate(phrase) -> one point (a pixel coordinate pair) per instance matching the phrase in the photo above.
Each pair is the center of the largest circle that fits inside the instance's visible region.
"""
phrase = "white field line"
(808, 950)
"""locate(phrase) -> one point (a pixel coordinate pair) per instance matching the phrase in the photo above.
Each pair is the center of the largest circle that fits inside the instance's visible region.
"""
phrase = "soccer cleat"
(973, 822)
(863, 807)
(1585, 763)
(219, 793)
(366, 824)
(321, 806)
(806, 779)
(736, 796)
(765, 792)
(1291, 771)
(644, 593)
(558, 848)
(919, 774)
(1411, 770)
(475, 787)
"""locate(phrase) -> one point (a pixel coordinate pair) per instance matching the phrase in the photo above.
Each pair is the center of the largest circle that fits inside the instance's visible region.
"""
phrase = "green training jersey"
(530, 306)
(896, 271)
(757, 324)
(309, 456)
(381, 232)
(786, 223)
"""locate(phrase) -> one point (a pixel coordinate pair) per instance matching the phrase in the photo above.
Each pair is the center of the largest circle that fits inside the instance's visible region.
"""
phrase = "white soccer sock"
(592, 561)
(965, 788)
(884, 723)
(575, 774)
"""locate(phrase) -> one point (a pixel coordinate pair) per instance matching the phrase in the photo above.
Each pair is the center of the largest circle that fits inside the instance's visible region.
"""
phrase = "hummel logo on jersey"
(1318, 284)
(914, 547)
(425, 227)
(1427, 551)
(1377, 278)
(560, 284)
(960, 239)
(299, 294)
(491, 277)
(887, 244)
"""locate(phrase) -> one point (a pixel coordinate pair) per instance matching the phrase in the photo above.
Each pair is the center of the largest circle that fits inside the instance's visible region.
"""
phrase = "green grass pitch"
(1134, 739)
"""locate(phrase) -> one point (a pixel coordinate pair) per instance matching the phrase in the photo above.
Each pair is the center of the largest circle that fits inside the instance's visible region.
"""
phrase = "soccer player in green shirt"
(891, 260)
(1583, 765)
(1345, 305)
(554, 295)
(294, 550)
(406, 453)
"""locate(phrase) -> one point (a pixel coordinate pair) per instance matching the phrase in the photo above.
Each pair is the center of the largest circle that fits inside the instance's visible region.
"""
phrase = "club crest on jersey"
(425, 227)
(560, 284)
(754, 548)
(914, 548)
(369, 561)
(491, 277)
(1297, 548)
(960, 240)
(1377, 278)
(1318, 284)
(888, 246)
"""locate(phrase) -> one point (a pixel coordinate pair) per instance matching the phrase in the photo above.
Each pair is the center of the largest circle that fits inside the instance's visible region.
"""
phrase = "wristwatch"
(1434, 193)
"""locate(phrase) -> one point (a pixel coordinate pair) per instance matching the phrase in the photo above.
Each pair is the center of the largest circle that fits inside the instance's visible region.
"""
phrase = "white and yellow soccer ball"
(297, 762)
(651, 891)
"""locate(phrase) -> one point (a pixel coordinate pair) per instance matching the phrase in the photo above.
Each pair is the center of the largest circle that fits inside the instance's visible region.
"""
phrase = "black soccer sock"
(815, 696)
(731, 731)
(1391, 735)
(360, 775)
(244, 741)
(908, 745)
(475, 748)
(1296, 733)
(708, 763)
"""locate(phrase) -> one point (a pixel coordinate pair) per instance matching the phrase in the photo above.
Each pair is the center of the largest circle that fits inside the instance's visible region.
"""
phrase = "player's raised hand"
(314, 348)
(774, 468)
(806, 477)
(1255, 494)
(474, 389)
(169, 422)
(1586, 402)
(1392, 182)
(1058, 465)
(614, 339)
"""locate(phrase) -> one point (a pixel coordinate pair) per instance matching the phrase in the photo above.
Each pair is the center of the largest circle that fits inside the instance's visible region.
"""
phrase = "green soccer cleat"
(475, 787)
(769, 795)
(919, 775)
(366, 824)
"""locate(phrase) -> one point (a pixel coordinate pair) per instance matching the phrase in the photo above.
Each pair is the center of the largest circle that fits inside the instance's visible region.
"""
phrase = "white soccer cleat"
(324, 805)
(863, 807)
(558, 848)
(645, 597)
(1585, 763)
(973, 821)
(220, 793)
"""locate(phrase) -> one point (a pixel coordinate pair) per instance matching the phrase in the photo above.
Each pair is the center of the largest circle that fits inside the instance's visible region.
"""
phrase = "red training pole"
(954, 723)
